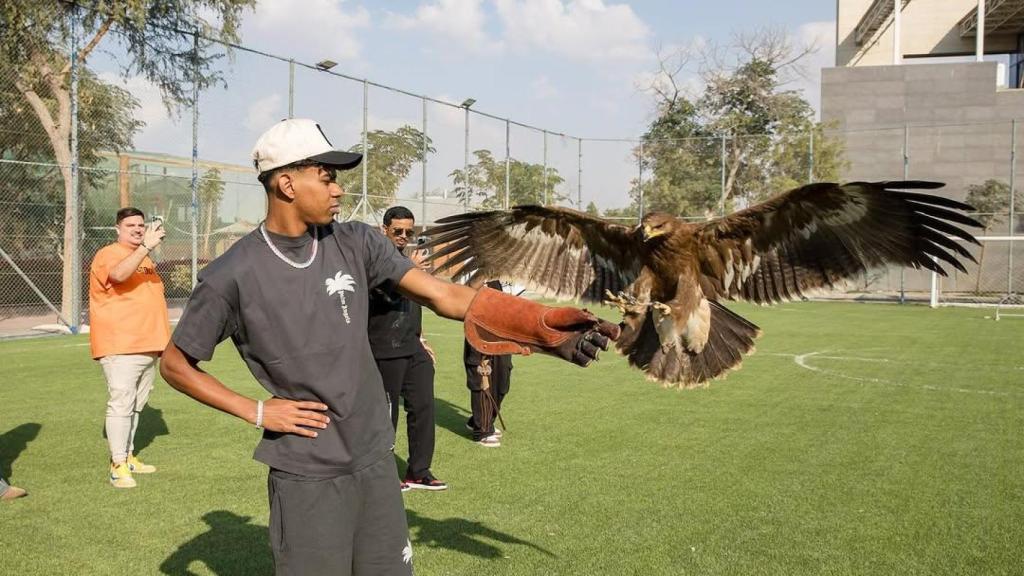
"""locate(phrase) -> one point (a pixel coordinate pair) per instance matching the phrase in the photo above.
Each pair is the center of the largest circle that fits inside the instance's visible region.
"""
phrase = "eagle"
(669, 277)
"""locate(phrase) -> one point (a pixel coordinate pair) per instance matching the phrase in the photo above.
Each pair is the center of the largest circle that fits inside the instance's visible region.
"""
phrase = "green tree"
(991, 199)
(32, 185)
(484, 182)
(34, 47)
(742, 139)
(390, 159)
(210, 192)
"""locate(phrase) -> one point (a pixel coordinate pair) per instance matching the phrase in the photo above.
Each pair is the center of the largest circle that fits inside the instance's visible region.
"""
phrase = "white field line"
(802, 360)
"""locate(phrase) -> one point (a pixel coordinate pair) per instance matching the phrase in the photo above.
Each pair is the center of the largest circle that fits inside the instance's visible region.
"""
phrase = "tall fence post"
(810, 157)
(546, 202)
(640, 182)
(906, 171)
(291, 88)
(195, 159)
(1013, 193)
(508, 165)
(579, 174)
(366, 152)
(74, 220)
(721, 208)
(467, 190)
(423, 183)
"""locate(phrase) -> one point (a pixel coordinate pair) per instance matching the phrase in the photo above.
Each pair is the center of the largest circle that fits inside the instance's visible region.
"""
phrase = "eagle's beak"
(648, 233)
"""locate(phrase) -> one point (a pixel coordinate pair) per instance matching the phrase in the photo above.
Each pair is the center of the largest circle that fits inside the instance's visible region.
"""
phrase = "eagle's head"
(656, 224)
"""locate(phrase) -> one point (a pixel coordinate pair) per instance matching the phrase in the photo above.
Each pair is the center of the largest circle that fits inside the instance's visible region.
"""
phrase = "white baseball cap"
(297, 139)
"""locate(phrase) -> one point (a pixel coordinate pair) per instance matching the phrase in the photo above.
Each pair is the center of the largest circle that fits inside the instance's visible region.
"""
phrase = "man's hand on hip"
(301, 418)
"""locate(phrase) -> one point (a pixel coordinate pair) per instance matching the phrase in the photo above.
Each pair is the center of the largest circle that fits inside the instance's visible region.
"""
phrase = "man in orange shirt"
(128, 331)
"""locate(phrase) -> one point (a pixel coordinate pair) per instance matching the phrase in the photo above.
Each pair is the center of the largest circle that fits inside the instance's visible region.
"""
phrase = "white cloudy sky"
(570, 66)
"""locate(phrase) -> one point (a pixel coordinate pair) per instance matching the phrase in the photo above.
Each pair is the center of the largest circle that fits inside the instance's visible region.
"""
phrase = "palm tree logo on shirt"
(407, 552)
(340, 284)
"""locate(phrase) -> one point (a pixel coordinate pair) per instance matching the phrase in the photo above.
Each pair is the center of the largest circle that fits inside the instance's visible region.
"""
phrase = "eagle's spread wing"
(818, 235)
(557, 252)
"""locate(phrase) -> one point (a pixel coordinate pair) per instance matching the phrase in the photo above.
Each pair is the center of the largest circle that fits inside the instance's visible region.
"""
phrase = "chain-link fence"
(61, 185)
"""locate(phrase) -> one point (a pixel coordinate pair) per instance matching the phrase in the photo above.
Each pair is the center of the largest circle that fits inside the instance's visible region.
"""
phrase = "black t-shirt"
(395, 324)
(302, 333)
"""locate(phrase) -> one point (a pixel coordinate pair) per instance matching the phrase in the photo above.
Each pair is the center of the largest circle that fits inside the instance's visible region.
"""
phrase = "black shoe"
(428, 482)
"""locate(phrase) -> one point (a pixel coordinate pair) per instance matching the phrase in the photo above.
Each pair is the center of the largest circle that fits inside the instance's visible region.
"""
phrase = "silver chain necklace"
(300, 265)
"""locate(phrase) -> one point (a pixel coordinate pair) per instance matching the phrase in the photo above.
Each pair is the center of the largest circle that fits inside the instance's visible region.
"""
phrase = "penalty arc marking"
(803, 361)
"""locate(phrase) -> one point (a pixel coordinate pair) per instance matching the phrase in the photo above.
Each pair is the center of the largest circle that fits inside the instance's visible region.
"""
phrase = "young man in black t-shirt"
(293, 297)
(405, 361)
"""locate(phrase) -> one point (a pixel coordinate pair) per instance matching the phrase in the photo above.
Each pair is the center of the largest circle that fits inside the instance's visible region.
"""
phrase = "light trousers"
(129, 383)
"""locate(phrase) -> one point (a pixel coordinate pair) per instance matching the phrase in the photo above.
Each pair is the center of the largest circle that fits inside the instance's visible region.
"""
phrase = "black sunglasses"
(407, 232)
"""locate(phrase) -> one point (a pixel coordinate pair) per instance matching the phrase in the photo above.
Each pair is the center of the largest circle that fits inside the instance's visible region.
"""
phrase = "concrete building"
(918, 92)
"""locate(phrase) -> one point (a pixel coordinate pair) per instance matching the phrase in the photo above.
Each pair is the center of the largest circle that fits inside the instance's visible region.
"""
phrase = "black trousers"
(411, 378)
(501, 377)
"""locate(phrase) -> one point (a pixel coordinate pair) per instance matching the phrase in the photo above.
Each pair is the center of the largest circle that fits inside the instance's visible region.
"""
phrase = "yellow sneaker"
(13, 493)
(137, 467)
(121, 476)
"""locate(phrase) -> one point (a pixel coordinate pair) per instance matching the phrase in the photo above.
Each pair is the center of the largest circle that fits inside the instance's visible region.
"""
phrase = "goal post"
(996, 279)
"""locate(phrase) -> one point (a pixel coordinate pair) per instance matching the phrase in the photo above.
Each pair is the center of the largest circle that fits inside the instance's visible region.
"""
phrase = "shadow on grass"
(13, 443)
(465, 536)
(151, 425)
(451, 417)
(231, 547)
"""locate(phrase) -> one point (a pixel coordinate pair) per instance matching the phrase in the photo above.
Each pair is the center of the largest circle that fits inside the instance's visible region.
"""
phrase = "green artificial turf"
(859, 439)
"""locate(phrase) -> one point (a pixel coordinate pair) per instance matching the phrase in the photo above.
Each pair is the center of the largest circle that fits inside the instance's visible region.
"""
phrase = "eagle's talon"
(626, 303)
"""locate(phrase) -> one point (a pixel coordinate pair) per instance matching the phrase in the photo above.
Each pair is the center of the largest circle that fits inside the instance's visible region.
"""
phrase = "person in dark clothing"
(405, 361)
(486, 404)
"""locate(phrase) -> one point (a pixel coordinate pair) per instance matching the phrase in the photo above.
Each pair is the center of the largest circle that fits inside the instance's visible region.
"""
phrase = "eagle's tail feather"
(730, 338)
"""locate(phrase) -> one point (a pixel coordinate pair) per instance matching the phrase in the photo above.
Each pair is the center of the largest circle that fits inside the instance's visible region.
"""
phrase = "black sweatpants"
(351, 525)
(412, 379)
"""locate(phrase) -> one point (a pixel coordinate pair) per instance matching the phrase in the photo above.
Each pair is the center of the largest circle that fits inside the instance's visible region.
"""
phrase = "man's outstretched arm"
(279, 415)
(498, 323)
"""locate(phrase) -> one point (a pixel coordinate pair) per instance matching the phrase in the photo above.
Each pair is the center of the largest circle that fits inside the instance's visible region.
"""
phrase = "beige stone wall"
(929, 27)
(958, 125)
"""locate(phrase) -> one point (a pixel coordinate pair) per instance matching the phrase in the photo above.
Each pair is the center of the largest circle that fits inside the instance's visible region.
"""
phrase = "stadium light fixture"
(326, 64)
(467, 103)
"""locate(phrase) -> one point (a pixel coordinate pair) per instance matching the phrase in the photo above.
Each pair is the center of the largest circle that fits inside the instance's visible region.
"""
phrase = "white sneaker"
(491, 441)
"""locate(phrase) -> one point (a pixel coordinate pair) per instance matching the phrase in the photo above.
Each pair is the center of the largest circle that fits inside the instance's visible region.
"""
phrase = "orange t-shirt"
(130, 317)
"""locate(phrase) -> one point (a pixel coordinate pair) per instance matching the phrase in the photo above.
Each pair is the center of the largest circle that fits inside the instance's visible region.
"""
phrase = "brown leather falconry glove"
(498, 323)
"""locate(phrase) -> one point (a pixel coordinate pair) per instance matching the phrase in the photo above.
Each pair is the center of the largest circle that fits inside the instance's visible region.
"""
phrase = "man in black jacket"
(405, 361)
